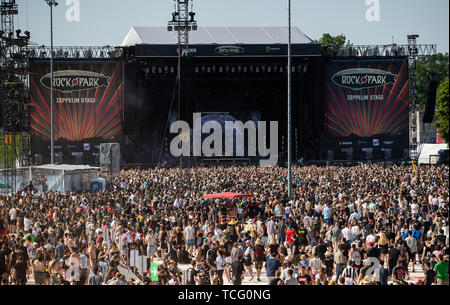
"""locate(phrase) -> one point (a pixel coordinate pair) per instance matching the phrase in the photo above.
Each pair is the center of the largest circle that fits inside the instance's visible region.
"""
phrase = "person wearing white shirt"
(346, 232)
(414, 209)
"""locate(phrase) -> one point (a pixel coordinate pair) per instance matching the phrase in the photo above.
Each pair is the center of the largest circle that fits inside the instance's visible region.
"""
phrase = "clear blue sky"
(104, 22)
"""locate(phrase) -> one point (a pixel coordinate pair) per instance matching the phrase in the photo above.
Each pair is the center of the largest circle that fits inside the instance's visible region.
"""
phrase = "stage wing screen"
(366, 108)
(88, 100)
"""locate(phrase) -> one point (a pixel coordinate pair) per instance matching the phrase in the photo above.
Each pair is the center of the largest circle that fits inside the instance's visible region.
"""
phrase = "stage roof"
(217, 35)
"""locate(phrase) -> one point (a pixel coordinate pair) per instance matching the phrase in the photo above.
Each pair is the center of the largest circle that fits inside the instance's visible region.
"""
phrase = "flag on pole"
(413, 166)
(154, 271)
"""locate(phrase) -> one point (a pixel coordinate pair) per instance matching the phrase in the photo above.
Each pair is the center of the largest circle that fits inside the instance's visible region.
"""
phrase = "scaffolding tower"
(15, 146)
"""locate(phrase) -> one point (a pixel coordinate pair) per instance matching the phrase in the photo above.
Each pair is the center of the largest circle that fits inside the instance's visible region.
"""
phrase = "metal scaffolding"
(413, 54)
(15, 146)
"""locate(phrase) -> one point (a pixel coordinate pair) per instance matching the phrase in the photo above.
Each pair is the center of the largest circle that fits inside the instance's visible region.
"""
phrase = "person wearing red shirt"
(289, 234)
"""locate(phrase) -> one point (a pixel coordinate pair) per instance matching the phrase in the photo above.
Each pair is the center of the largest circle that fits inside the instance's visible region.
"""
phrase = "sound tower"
(431, 102)
(110, 160)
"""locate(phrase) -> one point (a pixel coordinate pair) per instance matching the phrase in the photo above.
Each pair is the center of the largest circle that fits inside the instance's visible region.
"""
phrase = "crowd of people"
(358, 225)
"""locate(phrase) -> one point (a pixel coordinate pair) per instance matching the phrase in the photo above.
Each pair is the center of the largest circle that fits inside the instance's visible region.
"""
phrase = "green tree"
(332, 41)
(435, 66)
(337, 45)
(442, 113)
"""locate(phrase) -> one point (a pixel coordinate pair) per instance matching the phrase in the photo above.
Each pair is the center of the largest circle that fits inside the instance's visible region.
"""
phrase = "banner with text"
(367, 109)
(88, 100)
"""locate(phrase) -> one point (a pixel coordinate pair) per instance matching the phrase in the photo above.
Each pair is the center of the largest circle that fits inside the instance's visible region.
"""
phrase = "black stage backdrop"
(88, 108)
(367, 113)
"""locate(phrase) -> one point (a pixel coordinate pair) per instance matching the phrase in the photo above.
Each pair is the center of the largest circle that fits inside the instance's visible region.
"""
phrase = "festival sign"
(88, 100)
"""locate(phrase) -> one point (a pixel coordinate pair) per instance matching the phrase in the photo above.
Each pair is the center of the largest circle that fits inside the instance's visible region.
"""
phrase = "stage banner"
(367, 107)
(88, 100)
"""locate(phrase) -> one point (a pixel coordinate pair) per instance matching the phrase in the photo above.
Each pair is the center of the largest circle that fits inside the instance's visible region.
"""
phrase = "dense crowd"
(360, 225)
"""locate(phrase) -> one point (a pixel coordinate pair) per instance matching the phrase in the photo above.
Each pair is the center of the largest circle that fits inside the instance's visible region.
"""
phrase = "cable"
(168, 117)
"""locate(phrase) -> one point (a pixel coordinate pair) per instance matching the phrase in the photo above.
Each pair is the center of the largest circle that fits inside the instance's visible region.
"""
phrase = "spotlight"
(11, 35)
(27, 33)
(169, 28)
(174, 17)
(192, 15)
(257, 69)
(194, 27)
(18, 33)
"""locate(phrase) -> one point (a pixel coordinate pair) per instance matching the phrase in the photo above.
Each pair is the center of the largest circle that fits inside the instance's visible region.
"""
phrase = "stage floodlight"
(194, 27)
(257, 69)
(213, 69)
(220, 69)
(208, 69)
(281, 69)
(11, 35)
(269, 69)
(239, 69)
(153, 69)
(169, 28)
(176, 28)
(174, 17)
(159, 70)
(203, 69)
(251, 69)
(305, 68)
(189, 28)
(27, 33)
(166, 69)
(18, 33)
(244, 69)
(192, 15)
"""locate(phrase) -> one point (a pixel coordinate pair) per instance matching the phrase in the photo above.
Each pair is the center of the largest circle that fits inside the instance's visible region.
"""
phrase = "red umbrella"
(227, 195)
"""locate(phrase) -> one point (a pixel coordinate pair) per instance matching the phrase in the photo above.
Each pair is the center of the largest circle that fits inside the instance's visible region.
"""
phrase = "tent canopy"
(216, 35)
(227, 195)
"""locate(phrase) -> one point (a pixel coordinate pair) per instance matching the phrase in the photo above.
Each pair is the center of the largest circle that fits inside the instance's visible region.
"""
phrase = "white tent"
(216, 35)
(428, 153)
